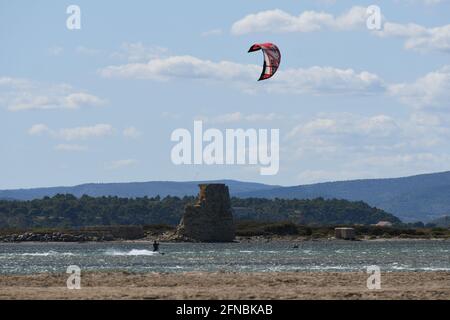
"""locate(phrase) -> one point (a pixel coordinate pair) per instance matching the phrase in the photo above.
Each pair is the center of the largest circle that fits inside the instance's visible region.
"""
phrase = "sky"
(99, 104)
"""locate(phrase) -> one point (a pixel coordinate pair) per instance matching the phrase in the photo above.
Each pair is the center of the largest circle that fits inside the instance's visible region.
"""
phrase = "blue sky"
(99, 104)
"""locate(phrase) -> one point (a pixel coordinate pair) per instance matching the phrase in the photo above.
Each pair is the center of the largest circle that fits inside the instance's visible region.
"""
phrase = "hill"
(67, 211)
(416, 198)
(131, 189)
(421, 197)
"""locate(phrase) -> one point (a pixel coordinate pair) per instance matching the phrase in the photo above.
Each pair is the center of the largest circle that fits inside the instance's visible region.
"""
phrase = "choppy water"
(26, 258)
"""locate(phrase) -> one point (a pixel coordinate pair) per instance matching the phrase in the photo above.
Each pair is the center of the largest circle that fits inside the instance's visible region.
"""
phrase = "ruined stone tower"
(210, 219)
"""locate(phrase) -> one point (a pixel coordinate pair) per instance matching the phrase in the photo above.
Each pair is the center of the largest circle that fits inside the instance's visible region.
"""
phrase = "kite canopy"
(272, 58)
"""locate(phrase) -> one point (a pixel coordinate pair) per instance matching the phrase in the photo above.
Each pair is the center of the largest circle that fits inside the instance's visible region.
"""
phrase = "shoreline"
(228, 285)
(238, 240)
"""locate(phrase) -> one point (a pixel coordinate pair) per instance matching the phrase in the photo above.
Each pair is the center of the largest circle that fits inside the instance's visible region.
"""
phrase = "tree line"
(68, 211)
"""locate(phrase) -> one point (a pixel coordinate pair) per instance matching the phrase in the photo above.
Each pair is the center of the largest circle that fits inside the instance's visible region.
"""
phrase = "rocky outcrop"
(210, 219)
(52, 237)
(102, 233)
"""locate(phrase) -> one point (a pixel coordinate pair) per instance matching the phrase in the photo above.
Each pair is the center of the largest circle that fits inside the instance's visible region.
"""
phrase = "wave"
(133, 252)
(406, 268)
(45, 254)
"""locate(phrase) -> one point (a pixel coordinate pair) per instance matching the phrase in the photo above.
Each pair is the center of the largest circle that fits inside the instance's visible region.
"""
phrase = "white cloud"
(328, 80)
(350, 164)
(425, 2)
(418, 37)
(430, 91)
(426, 119)
(257, 117)
(118, 164)
(70, 147)
(338, 140)
(98, 130)
(358, 146)
(378, 126)
(212, 32)
(74, 100)
(340, 137)
(228, 118)
(316, 80)
(235, 117)
(131, 132)
(38, 129)
(76, 133)
(402, 30)
(407, 159)
(188, 67)
(346, 124)
(278, 21)
(22, 94)
(15, 83)
(139, 52)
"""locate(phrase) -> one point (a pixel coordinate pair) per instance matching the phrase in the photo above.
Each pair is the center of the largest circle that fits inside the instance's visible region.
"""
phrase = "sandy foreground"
(223, 285)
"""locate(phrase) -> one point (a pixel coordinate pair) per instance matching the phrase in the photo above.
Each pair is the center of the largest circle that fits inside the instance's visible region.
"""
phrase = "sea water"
(417, 255)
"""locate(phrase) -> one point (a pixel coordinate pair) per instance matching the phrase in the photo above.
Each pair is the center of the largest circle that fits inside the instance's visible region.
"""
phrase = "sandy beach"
(225, 285)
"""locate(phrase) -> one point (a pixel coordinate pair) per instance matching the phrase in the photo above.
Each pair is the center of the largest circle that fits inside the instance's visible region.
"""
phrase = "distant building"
(345, 233)
(383, 224)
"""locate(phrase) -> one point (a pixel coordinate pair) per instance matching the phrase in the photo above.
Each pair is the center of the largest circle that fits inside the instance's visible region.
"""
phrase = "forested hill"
(70, 211)
(422, 197)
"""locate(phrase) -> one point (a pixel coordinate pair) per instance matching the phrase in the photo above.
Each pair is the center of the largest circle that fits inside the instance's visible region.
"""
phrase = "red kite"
(272, 58)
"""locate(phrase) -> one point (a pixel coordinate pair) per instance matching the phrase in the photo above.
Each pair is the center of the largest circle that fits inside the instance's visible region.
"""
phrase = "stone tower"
(210, 219)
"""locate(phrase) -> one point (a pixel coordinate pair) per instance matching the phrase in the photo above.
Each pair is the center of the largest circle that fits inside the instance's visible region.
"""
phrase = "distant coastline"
(245, 232)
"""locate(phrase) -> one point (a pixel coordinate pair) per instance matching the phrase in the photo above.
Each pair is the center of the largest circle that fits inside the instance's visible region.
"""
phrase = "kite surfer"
(155, 246)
